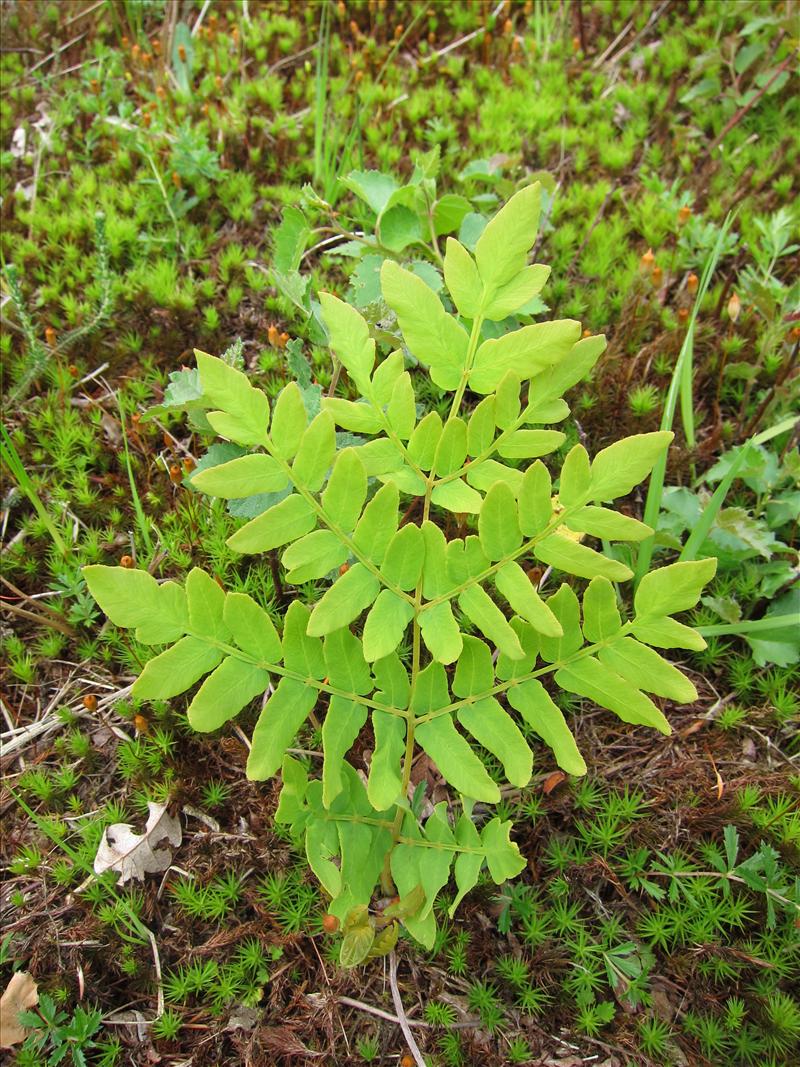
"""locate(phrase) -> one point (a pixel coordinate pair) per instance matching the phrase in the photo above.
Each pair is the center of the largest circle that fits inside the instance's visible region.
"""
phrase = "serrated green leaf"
(468, 864)
(244, 411)
(513, 583)
(528, 444)
(481, 427)
(129, 597)
(573, 558)
(434, 570)
(251, 628)
(485, 615)
(313, 556)
(535, 503)
(494, 730)
(434, 863)
(282, 523)
(380, 457)
(551, 384)
(385, 377)
(474, 670)
(406, 480)
(225, 692)
(349, 338)
(343, 722)
(485, 474)
(502, 856)
(378, 523)
(440, 633)
(564, 605)
(590, 678)
(451, 450)
(283, 715)
(358, 417)
(664, 632)
(456, 496)
(516, 293)
(534, 704)
(462, 279)
(465, 560)
(301, 652)
(289, 421)
(322, 844)
(455, 760)
(623, 465)
(601, 522)
(518, 668)
(424, 440)
(242, 477)
(433, 337)
(507, 401)
(346, 490)
(316, 453)
(601, 618)
(385, 781)
(673, 588)
(176, 670)
(206, 603)
(502, 249)
(646, 669)
(393, 685)
(498, 528)
(345, 663)
(575, 481)
(401, 411)
(385, 625)
(402, 564)
(344, 601)
(526, 352)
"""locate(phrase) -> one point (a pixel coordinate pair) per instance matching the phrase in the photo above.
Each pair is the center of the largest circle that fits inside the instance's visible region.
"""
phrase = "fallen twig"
(402, 1018)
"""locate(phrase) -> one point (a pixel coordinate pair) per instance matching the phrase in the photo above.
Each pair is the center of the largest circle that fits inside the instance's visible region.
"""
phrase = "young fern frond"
(341, 513)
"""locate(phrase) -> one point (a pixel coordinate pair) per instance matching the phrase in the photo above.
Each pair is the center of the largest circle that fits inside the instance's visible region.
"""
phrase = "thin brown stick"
(740, 114)
(402, 1018)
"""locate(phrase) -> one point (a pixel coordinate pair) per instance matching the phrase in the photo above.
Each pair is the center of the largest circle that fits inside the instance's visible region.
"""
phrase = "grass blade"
(656, 487)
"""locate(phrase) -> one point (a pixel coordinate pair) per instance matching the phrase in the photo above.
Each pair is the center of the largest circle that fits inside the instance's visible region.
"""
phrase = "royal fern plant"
(430, 635)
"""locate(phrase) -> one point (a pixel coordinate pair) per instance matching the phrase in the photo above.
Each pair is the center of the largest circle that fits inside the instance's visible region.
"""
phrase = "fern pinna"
(482, 639)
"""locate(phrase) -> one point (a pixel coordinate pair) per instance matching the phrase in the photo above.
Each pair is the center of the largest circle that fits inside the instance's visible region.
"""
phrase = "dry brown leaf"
(21, 993)
(134, 855)
(552, 781)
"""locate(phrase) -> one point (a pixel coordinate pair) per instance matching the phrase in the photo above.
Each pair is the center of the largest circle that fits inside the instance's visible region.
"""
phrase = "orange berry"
(398, 31)
(691, 283)
(126, 562)
(407, 1061)
(273, 336)
(136, 418)
(140, 724)
(73, 370)
(146, 120)
(683, 314)
(587, 333)
(647, 262)
(684, 214)
(165, 437)
(188, 465)
(345, 567)
(50, 335)
(734, 307)
(330, 924)
(176, 179)
(282, 339)
(90, 702)
(657, 276)
(175, 474)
